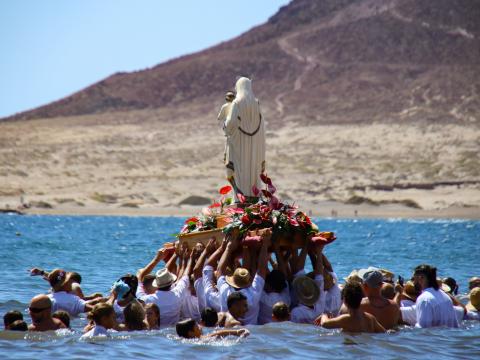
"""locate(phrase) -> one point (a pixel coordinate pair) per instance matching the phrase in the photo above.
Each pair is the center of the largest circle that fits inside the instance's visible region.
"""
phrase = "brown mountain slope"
(320, 62)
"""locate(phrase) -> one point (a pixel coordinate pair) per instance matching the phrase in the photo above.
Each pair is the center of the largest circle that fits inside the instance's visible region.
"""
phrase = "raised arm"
(227, 254)
(160, 255)
(209, 249)
(263, 256)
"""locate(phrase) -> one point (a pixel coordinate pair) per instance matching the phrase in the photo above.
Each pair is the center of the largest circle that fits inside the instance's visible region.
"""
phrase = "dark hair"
(134, 316)
(453, 285)
(18, 325)
(132, 282)
(276, 280)
(281, 311)
(11, 316)
(63, 316)
(430, 273)
(235, 297)
(76, 277)
(209, 317)
(148, 279)
(184, 327)
(352, 295)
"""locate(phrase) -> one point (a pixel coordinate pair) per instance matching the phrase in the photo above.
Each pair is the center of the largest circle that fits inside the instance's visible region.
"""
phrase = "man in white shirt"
(309, 293)
(169, 296)
(62, 298)
(241, 279)
(433, 307)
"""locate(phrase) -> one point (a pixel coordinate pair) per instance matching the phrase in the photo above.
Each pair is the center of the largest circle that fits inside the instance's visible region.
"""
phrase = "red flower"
(225, 190)
(246, 220)
(193, 219)
(215, 205)
(234, 211)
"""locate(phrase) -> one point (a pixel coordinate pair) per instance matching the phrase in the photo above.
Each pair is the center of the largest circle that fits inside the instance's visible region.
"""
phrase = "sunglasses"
(37, 310)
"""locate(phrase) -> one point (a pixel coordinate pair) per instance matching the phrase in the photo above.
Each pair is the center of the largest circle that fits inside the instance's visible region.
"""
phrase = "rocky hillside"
(320, 62)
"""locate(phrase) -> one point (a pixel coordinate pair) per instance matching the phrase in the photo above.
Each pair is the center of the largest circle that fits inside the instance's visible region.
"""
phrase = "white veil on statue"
(245, 131)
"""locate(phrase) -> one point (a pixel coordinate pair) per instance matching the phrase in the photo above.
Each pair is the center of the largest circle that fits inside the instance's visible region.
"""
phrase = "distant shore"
(321, 209)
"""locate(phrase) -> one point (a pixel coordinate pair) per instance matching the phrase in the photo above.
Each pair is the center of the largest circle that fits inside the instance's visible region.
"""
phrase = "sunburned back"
(361, 323)
(385, 311)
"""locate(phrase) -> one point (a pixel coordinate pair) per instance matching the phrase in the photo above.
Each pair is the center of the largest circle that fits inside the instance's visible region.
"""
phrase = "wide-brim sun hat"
(240, 279)
(164, 278)
(306, 290)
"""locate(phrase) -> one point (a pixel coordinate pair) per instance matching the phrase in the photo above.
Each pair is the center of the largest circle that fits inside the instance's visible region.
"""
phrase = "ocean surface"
(102, 249)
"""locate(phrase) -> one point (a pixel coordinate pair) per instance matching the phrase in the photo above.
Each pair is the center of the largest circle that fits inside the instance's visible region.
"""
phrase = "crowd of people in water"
(226, 286)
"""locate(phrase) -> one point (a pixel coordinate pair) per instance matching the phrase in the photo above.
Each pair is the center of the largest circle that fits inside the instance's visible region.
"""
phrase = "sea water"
(102, 249)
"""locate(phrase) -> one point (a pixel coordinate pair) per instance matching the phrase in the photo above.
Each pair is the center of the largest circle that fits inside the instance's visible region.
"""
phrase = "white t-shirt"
(169, 302)
(406, 303)
(305, 314)
(252, 293)
(333, 297)
(97, 330)
(119, 312)
(435, 308)
(409, 314)
(212, 296)
(198, 285)
(190, 307)
(70, 303)
(267, 300)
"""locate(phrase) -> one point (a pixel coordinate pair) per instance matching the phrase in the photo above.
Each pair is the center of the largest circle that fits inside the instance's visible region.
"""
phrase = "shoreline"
(321, 209)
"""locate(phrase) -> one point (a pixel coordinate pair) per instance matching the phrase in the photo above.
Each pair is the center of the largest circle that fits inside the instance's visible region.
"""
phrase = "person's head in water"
(188, 329)
(209, 317)
(104, 315)
(152, 314)
(40, 309)
(10, 317)
(63, 316)
(280, 312)
(426, 277)
(237, 305)
(229, 96)
(61, 280)
(134, 316)
(18, 325)
(452, 284)
(388, 291)
(352, 295)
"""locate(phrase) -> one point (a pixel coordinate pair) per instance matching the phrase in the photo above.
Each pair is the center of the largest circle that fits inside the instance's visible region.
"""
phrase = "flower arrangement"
(207, 220)
(268, 212)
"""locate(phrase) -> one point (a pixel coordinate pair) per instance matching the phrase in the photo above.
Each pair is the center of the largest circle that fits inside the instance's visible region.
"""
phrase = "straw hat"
(306, 290)
(164, 278)
(475, 298)
(240, 278)
(353, 277)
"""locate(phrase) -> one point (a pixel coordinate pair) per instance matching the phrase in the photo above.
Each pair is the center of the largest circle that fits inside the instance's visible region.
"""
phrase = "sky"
(52, 48)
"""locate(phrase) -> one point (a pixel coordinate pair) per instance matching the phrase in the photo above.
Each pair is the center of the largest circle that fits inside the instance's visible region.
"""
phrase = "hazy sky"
(52, 48)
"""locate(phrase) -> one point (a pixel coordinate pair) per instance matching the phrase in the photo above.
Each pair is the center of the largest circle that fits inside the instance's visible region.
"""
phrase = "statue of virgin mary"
(245, 131)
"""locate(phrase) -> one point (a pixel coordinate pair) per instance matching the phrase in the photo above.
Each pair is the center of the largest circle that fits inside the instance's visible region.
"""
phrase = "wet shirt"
(267, 300)
(70, 303)
(435, 308)
(212, 296)
(169, 302)
(252, 293)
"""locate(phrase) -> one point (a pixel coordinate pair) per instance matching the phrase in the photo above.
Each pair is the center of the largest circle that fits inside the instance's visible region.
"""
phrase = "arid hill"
(325, 61)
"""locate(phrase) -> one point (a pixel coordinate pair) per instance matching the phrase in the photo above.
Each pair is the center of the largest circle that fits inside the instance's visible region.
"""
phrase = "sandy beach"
(145, 163)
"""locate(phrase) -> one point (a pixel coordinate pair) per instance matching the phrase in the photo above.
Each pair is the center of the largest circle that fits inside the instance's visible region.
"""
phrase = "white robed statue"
(245, 131)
